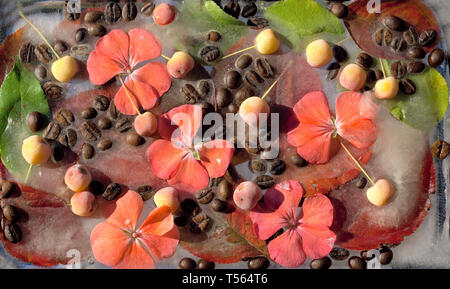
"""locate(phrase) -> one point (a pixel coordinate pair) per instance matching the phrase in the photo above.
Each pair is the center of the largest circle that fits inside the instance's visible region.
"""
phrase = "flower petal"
(312, 108)
(162, 246)
(143, 46)
(136, 257)
(266, 223)
(317, 240)
(215, 156)
(115, 45)
(156, 75)
(102, 68)
(158, 222)
(317, 211)
(139, 95)
(285, 195)
(164, 158)
(287, 249)
(190, 176)
(108, 243)
(124, 213)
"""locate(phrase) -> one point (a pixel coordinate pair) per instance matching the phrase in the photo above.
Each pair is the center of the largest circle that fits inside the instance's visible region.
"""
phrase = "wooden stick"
(276, 81)
(28, 173)
(237, 52)
(129, 96)
(357, 163)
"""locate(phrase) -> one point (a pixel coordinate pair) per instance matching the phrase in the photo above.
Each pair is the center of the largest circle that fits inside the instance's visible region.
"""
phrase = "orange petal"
(136, 257)
(158, 222)
(139, 95)
(124, 213)
(108, 243)
(102, 68)
(215, 156)
(317, 211)
(165, 158)
(143, 46)
(313, 109)
(156, 75)
(284, 196)
(115, 45)
(162, 246)
(287, 249)
(317, 240)
(190, 176)
(266, 223)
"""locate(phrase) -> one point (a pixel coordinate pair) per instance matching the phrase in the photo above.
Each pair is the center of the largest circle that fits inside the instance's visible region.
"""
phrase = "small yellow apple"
(380, 193)
(36, 150)
(65, 68)
(167, 197)
(386, 88)
(267, 42)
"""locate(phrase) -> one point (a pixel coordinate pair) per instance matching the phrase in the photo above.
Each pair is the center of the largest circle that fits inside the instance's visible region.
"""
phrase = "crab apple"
(318, 53)
(247, 195)
(180, 64)
(36, 150)
(167, 196)
(380, 193)
(146, 124)
(65, 68)
(267, 42)
(353, 77)
(83, 204)
(386, 88)
(251, 108)
(77, 178)
(164, 14)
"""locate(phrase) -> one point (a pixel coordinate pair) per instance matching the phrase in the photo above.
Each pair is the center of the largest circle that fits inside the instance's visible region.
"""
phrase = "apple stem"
(357, 163)
(129, 96)
(237, 52)
(165, 57)
(28, 173)
(382, 68)
(278, 79)
(343, 40)
(40, 33)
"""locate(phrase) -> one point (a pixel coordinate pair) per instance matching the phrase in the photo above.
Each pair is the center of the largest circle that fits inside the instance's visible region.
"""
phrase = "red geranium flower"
(317, 129)
(119, 243)
(177, 159)
(305, 234)
(119, 53)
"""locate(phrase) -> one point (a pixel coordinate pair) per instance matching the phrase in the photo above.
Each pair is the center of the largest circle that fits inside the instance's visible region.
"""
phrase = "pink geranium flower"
(306, 230)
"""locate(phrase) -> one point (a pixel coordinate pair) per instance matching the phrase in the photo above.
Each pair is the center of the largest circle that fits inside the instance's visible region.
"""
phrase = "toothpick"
(276, 81)
(343, 40)
(382, 67)
(28, 173)
(129, 96)
(165, 57)
(357, 163)
(237, 52)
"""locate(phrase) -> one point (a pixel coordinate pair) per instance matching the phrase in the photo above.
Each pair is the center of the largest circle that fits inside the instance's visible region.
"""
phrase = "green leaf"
(21, 93)
(297, 19)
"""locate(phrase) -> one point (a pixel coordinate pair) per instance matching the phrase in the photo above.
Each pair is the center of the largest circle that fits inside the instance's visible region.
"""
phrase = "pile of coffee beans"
(189, 263)
(10, 214)
(249, 11)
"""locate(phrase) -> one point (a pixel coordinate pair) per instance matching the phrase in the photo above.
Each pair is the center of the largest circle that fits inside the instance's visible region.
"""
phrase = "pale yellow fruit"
(180, 64)
(167, 197)
(77, 178)
(386, 88)
(36, 150)
(65, 68)
(83, 204)
(380, 193)
(318, 53)
(251, 108)
(267, 42)
(352, 77)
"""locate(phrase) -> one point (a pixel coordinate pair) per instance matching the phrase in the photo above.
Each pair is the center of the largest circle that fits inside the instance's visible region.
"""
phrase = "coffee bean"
(253, 78)
(202, 221)
(277, 167)
(81, 35)
(258, 263)
(69, 11)
(407, 86)
(223, 97)
(440, 149)
(378, 74)
(333, 70)
(340, 54)
(416, 52)
(104, 123)
(147, 9)
(263, 67)
(112, 192)
(187, 263)
(52, 131)
(87, 151)
(231, 175)
(339, 10)
(258, 166)
(339, 254)
(82, 52)
(206, 108)
(68, 138)
(244, 61)
(394, 23)
(249, 10)
(190, 207)
(410, 36)
(43, 53)
(364, 60)
(232, 8)
(36, 121)
(7, 189)
(387, 36)
(219, 205)
(397, 45)
(356, 262)
(113, 113)
(243, 94)
(26, 53)
(180, 221)
(133, 139)
(366, 255)
(129, 11)
(123, 125)
(12, 232)
(193, 227)
(93, 16)
(64, 117)
(257, 23)
(205, 264)
(361, 183)
(214, 36)
(436, 57)
(104, 145)
(146, 192)
(10, 213)
(427, 37)
(112, 12)
(189, 93)
(209, 53)
(297, 160)
(224, 190)
(89, 113)
(97, 30)
(203, 87)
(398, 69)
(264, 182)
(415, 67)
(232, 79)
(386, 255)
(90, 131)
(205, 196)
(40, 72)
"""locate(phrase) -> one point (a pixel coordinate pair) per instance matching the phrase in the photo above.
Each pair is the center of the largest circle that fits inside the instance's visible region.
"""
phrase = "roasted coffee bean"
(113, 113)
(257, 22)
(203, 87)
(180, 221)
(416, 52)
(104, 123)
(231, 175)
(52, 131)
(258, 263)
(263, 67)
(415, 67)
(129, 11)
(81, 35)
(378, 74)
(219, 205)
(26, 53)
(43, 53)
(112, 12)
(133, 139)
(36, 121)
(145, 191)
(187, 263)
(87, 151)
(3, 222)
(410, 36)
(340, 54)
(7, 189)
(209, 53)
(436, 57)
(190, 207)
(361, 183)
(339, 254)
(70, 12)
(356, 262)
(378, 36)
(224, 190)
(244, 93)
(244, 61)
(397, 44)
(112, 192)
(249, 10)
(264, 182)
(205, 264)
(123, 125)
(101, 103)
(366, 255)
(253, 78)
(40, 72)
(320, 264)
(68, 137)
(223, 97)
(89, 113)
(386, 255)
(398, 69)
(82, 52)
(407, 86)
(10, 213)
(333, 70)
(205, 196)
(93, 16)
(339, 10)
(189, 93)
(387, 36)
(297, 160)
(258, 166)
(277, 167)
(214, 36)
(90, 131)
(64, 117)
(232, 79)
(12, 232)
(364, 60)
(147, 9)
(232, 8)
(104, 145)
(97, 30)
(440, 149)
(206, 108)
(193, 227)
(394, 23)
(427, 37)
(202, 221)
